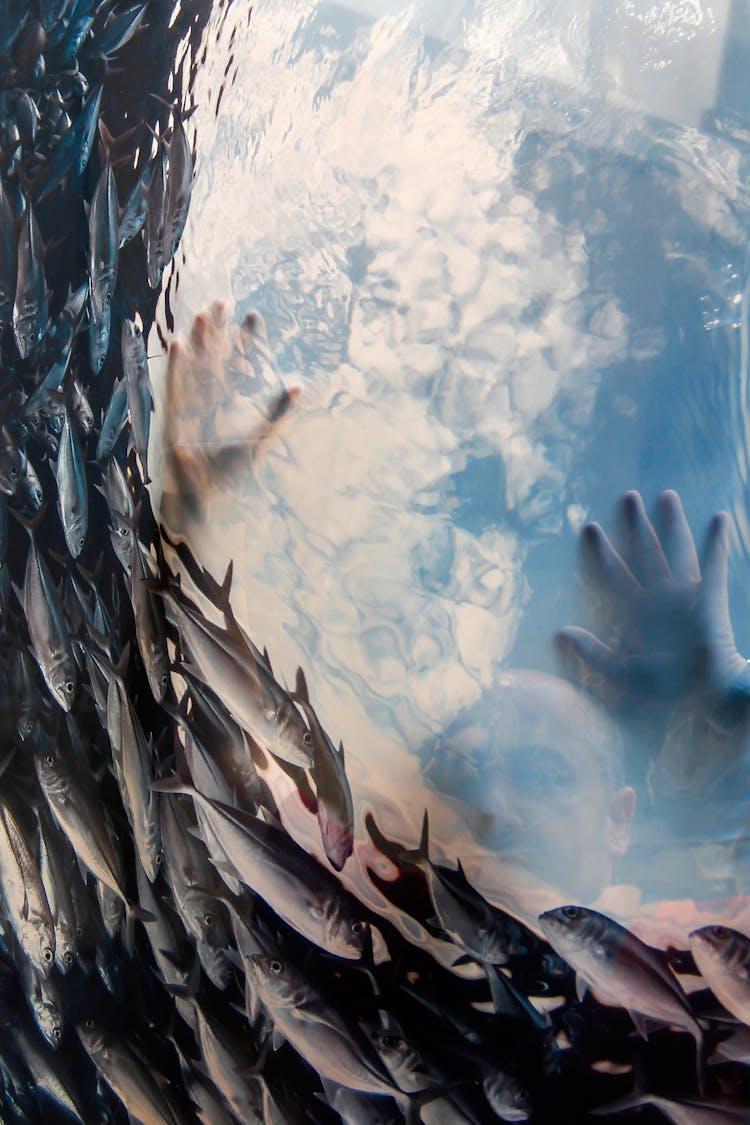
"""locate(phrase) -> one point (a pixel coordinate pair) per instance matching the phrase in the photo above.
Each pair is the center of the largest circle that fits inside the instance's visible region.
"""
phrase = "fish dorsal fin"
(341, 753)
(300, 689)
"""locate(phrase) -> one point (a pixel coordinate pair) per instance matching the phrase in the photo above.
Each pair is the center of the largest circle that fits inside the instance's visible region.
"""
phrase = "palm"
(677, 638)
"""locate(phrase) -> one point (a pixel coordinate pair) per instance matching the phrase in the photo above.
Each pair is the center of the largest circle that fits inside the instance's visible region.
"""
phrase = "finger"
(715, 565)
(604, 564)
(643, 542)
(678, 539)
(656, 675)
(203, 332)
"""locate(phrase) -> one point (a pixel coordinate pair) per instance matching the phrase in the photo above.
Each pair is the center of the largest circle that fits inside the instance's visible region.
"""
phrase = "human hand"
(677, 639)
(224, 401)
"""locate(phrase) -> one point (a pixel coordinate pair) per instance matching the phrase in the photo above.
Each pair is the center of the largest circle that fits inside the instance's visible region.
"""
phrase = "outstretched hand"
(674, 612)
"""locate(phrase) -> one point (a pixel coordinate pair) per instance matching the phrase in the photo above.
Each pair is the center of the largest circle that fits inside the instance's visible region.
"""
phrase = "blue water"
(502, 250)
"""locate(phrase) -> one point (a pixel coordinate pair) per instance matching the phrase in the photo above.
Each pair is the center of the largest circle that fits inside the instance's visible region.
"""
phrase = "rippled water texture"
(501, 249)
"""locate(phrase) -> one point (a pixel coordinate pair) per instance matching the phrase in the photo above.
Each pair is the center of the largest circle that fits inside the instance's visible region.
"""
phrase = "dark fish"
(8, 260)
(179, 187)
(113, 421)
(134, 214)
(149, 622)
(133, 1082)
(50, 1075)
(117, 31)
(723, 958)
(74, 148)
(47, 628)
(153, 230)
(72, 490)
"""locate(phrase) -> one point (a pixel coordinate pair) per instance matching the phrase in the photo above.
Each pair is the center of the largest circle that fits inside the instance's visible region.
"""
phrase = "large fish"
(148, 614)
(113, 420)
(30, 307)
(299, 889)
(179, 187)
(723, 957)
(8, 260)
(50, 1075)
(56, 867)
(74, 148)
(72, 489)
(45, 1002)
(335, 810)
(103, 259)
(621, 970)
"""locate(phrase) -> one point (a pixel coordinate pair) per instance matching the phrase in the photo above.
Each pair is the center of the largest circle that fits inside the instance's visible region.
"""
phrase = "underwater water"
(374, 558)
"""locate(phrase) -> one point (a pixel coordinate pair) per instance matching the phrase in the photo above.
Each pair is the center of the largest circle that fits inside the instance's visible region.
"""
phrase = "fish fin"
(641, 1024)
(464, 959)
(267, 659)
(300, 689)
(173, 785)
(341, 753)
(277, 1038)
(581, 987)
(507, 1000)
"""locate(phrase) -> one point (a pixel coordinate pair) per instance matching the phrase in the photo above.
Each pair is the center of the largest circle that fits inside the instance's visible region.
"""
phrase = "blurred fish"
(56, 869)
(50, 1075)
(80, 408)
(30, 306)
(723, 958)
(225, 1057)
(44, 1000)
(179, 187)
(359, 1109)
(118, 30)
(154, 226)
(688, 1112)
(8, 260)
(335, 810)
(149, 623)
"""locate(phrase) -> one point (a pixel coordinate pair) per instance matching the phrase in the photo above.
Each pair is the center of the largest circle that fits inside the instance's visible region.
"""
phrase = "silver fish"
(299, 889)
(135, 767)
(45, 1002)
(693, 1112)
(335, 810)
(723, 957)
(155, 218)
(103, 260)
(80, 408)
(359, 1109)
(134, 215)
(56, 864)
(621, 969)
(131, 1080)
(248, 690)
(8, 260)
(316, 1028)
(113, 421)
(47, 631)
(140, 399)
(224, 1056)
(49, 1073)
(23, 892)
(148, 614)
(170, 948)
(72, 489)
(74, 148)
(179, 187)
(30, 307)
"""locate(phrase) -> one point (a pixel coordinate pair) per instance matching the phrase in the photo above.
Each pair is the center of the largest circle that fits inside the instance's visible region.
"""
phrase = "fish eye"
(47, 954)
(88, 1023)
(49, 759)
(69, 687)
(307, 738)
(208, 920)
(357, 928)
(68, 957)
(164, 680)
(57, 1032)
(275, 966)
(271, 715)
(13, 471)
(79, 931)
(719, 932)
(108, 298)
(570, 911)
(81, 541)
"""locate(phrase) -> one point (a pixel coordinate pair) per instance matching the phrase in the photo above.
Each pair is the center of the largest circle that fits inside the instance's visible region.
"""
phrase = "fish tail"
(700, 1060)
(419, 856)
(133, 914)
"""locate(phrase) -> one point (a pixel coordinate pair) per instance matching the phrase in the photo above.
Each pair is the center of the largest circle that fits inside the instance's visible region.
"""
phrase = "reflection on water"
(511, 286)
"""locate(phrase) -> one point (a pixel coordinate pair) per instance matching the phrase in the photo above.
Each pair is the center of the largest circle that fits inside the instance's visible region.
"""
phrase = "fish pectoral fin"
(643, 1025)
(277, 1038)
(581, 987)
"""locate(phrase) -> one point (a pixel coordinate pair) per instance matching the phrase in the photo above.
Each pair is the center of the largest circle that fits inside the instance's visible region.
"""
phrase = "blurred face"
(546, 802)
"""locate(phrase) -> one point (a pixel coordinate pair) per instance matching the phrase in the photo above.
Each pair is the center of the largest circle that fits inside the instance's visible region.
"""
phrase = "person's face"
(548, 806)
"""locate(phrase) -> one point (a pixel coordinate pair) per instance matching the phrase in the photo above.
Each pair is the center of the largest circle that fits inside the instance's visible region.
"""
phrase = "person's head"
(541, 767)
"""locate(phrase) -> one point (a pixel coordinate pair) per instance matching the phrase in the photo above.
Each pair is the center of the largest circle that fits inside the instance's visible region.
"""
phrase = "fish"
(113, 420)
(103, 262)
(723, 958)
(335, 810)
(134, 213)
(224, 1056)
(153, 229)
(149, 623)
(359, 1109)
(131, 1080)
(179, 187)
(118, 30)
(679, 1112)
(56, 866)
(507, 1096)
(45, 1002)
(50, 643)
(248, 690)
(23, 893)
(49, 1073)
(316, 1027)
(138, 386)
(71, 155)
(72, 489)
(8, 260)
(621, 970)
(292, 882)
(80, 408)
(30, 305)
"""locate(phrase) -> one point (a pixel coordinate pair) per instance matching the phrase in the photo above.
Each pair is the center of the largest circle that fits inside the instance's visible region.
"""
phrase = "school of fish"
(169, 953)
